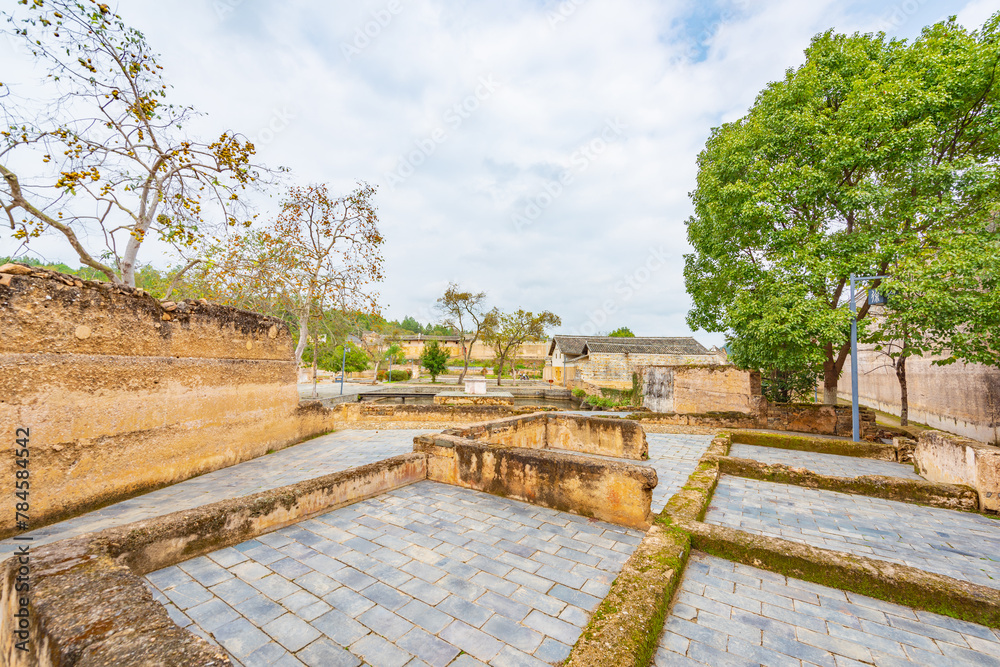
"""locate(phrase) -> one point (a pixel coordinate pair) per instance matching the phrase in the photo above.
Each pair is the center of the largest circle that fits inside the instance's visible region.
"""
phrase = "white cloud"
(278, 71)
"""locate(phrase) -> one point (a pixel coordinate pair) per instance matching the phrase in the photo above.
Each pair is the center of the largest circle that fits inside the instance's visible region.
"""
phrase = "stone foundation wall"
(121, 393)
(700, 389)
(952, 459)
(817, 418)
(614, 371)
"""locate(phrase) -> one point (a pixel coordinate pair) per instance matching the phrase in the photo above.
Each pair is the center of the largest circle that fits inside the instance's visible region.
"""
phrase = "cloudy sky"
(540, 151)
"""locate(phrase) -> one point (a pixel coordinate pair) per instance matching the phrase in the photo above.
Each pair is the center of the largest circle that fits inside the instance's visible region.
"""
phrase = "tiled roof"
(577, 345)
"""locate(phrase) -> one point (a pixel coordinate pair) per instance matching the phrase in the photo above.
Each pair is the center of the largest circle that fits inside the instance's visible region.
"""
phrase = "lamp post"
(873, 299)
(343, 368)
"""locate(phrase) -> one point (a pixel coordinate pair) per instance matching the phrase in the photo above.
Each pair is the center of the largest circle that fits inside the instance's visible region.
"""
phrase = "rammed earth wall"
(122, 393)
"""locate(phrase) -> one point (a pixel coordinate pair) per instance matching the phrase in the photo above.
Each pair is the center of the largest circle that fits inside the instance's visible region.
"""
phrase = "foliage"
(859, 161)
(622, 332)
(788, 386)
(434, 359)
(320, 252)
(579, 393)
(506, 332)
(332, 359)
(106, 156)
(411, 325)
(397, 375)
(460, 310)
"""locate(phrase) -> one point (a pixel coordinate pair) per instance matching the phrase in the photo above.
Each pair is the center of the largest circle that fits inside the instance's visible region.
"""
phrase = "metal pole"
(343, 369)
(855, 417)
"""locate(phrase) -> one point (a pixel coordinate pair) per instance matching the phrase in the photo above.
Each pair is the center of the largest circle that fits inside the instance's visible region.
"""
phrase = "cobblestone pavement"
(958, 544)
(825, 464)
(730, 614)
(314, 458)
(674, 457)
(415, 576)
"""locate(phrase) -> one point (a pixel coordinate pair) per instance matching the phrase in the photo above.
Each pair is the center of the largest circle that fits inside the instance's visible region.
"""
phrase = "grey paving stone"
(348, 601)
(464, 610)
(425, 616)
(424, 591)
(317, 584)
(552, 627)
(227, 557)
(234, 591)
(503, 606)
(324, 653)
(512, 633)
(291, 632)
(188, 594)
(250, 570)
(275, 586)
(259, 609)
(212, 614)
(428, 648)
(386, 596)
(378, 652)
(240, 638)
(168, 577)
(205, 571)
(385, 623)
(552, 651)
(540, 601)
(511, 657)
(265, 656)
(339, 627)
(474, 642)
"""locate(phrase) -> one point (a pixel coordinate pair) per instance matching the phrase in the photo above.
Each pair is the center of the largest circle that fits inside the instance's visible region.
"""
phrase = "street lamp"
(874, 299)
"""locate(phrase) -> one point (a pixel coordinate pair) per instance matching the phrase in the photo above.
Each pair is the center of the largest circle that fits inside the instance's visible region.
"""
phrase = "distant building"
(413, 347)
(610, 362)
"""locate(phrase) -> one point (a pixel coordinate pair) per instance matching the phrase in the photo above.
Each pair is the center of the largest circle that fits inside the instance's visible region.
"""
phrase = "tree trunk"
(830, 381)
(832, 368)
(466, 351)
(315, 393)
(904, 405)
(377, 364)
(303, 336)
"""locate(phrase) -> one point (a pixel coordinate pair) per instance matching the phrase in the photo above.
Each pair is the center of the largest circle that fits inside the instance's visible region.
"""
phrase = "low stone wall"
(89, 606)
(608, 490)
(353, 413)
(817, 418)
(121, 394)
(952, 459)
(461, 398)
(576, 433)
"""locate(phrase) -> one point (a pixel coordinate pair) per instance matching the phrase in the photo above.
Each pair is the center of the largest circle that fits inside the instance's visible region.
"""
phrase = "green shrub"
(579, 393)
(397, 375)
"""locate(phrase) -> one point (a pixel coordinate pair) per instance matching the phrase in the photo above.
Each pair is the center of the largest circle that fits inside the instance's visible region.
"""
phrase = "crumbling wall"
(121, 393)
(952, 459)
(699, 389)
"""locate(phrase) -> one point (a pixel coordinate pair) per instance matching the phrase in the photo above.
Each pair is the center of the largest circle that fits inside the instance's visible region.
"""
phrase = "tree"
(622, 332)
(320, 252)
(434, 359)
(850, 165)
(506, 332)
(411, 325)
(108, 157)
(461, 310)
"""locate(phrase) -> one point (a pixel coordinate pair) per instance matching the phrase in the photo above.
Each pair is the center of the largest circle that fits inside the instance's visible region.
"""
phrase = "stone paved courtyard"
(727, 614)
(958, 544)
(422, 573)
(313, 458)
(674, 458)
(825, 464)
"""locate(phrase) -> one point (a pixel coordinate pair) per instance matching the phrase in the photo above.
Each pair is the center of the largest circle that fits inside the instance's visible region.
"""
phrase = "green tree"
(506, 332)
(852, 164)
(411, 325)
(622, 332)
(434, 359)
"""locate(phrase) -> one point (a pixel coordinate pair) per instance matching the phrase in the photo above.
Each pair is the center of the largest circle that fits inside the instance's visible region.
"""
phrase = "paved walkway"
(958, 544)
(422, 573)
(730, 614)
(824, 464)
(674, 457)
(314, 458)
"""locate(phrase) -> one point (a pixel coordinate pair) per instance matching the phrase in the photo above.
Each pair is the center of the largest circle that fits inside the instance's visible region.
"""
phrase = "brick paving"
(963, 545)
(727, 614)
(314, 458)
(674, 457)
(415, 576)
(824, 464)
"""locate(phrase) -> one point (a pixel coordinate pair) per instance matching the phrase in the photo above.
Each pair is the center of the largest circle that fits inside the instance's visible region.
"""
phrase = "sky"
(539, 151)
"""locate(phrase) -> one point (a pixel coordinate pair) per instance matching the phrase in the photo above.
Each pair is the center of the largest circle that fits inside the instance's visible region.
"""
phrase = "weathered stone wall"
(698, 389)
(952, 459)
(607, 490)
(122, 394)
(960, 398)
(817, 418)
(575, 433)
(614, 371)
